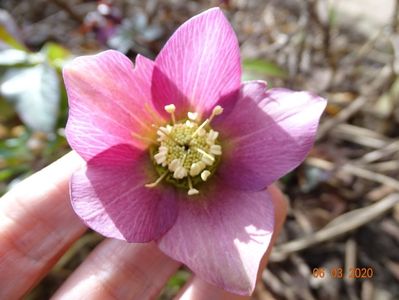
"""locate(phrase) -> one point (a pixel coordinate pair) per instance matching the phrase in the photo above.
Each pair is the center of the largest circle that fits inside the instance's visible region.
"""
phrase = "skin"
(37, 225)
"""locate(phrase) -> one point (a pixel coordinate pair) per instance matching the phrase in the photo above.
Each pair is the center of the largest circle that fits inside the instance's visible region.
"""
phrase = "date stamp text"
(341, 273)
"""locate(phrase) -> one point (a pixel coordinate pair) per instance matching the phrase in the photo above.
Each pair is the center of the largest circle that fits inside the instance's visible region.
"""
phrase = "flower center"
(187, 152)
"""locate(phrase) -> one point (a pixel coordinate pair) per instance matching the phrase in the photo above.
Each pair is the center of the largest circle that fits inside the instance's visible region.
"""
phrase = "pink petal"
(199, 64)
(267, 134)
(110, 196)
(222, 236)
(108, 101)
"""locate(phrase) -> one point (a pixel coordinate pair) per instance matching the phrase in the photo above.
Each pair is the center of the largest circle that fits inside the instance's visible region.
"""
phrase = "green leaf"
(7, 38)
(56, 54)
(263, 67)
(12, 172)
(14, 151)
(6, 111)
(179, 279)
(35, 93)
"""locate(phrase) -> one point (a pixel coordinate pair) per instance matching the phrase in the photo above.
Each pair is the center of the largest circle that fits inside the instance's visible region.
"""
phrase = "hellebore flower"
(180, 152)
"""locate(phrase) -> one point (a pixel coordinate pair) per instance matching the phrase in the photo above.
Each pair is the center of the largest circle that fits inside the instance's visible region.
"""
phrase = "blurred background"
(344, 211)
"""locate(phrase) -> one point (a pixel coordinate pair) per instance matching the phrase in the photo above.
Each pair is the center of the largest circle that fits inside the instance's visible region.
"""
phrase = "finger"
(199, 289)
(280, 203)
(118, 270)
(37, 224)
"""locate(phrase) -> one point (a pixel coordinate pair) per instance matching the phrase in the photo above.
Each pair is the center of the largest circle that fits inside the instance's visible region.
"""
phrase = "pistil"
(156, 182)
(216, 111)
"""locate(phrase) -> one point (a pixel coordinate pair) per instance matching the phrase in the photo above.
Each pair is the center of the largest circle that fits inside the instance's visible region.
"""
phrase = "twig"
(342, 116)
(386, 166)
(356, 130)
(350, 259)
(275, 284)
(350, 262)
(355, 57)
(367, 290)
(339, 226)
(354, 170)
(395, 17)
(380, 79)
(380, 153)
(360, 135)
(304, 273)
(325, 30)
(262, 293)
(378, 193)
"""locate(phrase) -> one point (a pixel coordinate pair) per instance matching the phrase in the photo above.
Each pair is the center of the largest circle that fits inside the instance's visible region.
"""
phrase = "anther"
(165, 133)
(163, 149)
(189, 124)
(212, 136)
(185, 149)
(180, 172)
(202, 132)
(191, 191)
(216, 150)
(207, 158)
(196, 168)
(205, 174)
(160, 158)
(156, 182)
(174, 164)
(171, 108)
(193, 116)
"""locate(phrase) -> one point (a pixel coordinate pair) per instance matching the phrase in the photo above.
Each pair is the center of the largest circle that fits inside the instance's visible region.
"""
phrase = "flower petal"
(222, 236)
(110, 196)
(108, 101)
(268, 133)
(199, 64)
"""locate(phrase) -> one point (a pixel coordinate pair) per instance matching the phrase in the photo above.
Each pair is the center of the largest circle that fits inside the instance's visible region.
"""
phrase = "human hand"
(37, 225)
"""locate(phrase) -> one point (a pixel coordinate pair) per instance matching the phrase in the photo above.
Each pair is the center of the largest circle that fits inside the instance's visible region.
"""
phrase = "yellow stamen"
(167, 135)
(191, 191)
(208, 158)
(171, 108)
(186, 151)
(200, 128)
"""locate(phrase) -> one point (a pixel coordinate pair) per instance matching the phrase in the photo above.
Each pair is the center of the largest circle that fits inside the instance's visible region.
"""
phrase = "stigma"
(187, 151)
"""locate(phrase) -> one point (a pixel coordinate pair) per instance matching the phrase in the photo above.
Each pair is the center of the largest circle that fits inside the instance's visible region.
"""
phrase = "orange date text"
(340, 273)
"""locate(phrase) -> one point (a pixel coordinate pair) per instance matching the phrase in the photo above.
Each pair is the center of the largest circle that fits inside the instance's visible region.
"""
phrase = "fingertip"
(197, 289)
(280, 203)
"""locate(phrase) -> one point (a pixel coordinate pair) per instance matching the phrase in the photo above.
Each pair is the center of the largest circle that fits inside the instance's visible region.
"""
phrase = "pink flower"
(179, 151)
